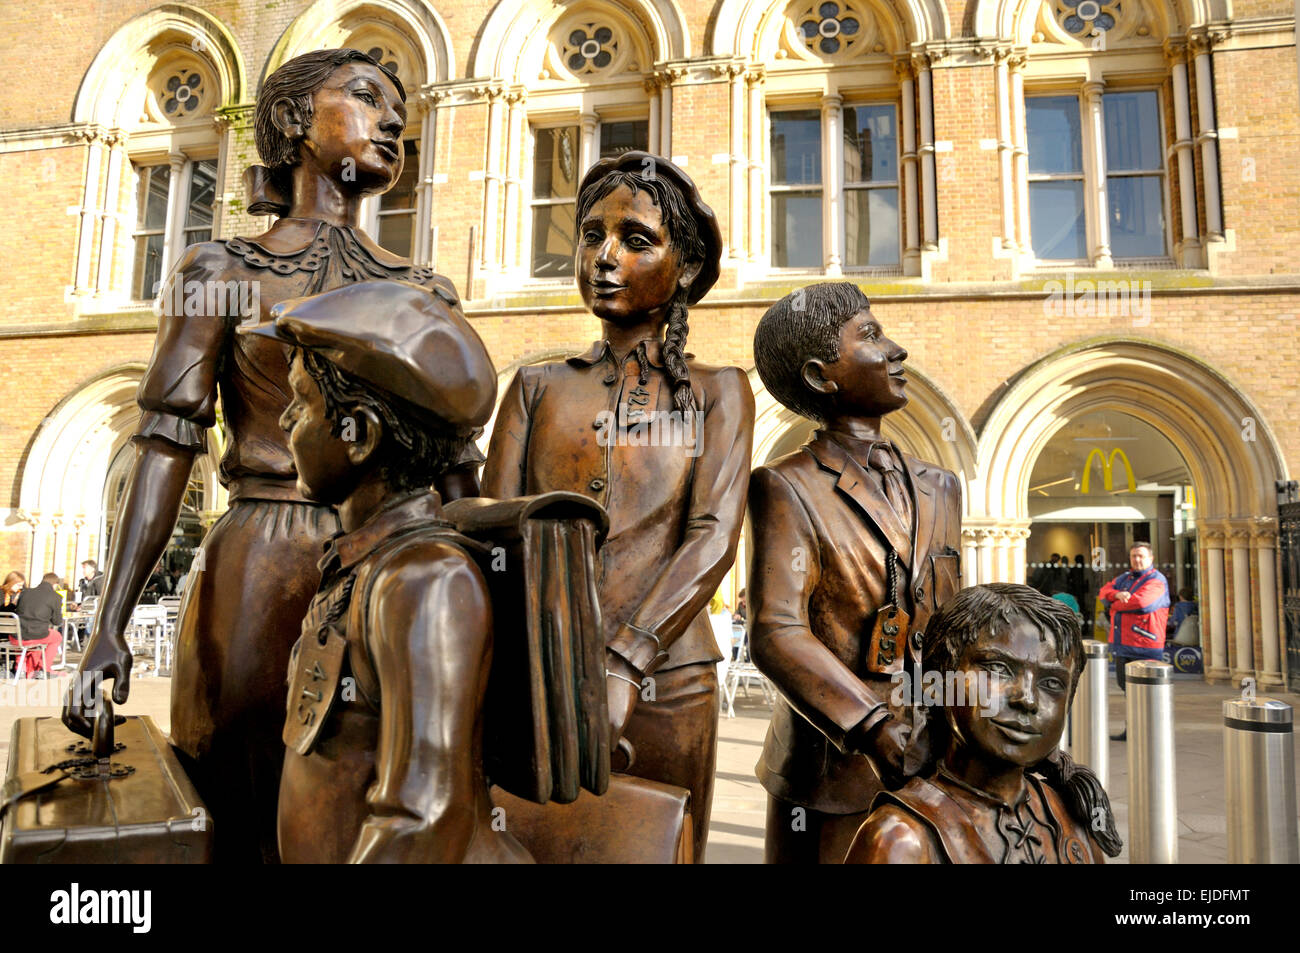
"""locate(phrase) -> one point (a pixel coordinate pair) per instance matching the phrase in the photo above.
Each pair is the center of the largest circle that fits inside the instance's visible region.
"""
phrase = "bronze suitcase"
(132, 805)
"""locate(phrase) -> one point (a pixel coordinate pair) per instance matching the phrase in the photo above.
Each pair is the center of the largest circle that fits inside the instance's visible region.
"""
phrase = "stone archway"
(1229, 449)
(61, 495)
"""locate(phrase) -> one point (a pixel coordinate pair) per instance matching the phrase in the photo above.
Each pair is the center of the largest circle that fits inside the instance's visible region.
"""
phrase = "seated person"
(40, 613)
(1184, 607)
(384, 728)
(1001, 791)
(11, 589)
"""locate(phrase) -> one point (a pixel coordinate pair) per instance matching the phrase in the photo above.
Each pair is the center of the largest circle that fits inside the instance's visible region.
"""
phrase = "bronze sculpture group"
(351, 401)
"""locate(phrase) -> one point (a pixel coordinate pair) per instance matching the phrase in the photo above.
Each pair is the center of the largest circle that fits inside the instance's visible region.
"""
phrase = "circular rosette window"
(584, 48)
(1081, 18)
(181, 88)
(831, 30)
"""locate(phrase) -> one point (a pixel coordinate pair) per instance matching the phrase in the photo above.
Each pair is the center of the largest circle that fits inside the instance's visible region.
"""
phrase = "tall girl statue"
(329, 128)
(662, 442)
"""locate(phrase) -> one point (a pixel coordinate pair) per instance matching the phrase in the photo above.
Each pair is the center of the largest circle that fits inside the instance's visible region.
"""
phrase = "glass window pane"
(870, 144)
(553, 240)
(203, 188)
(195, 235)
(619, 137)
(397, 233)
(1052, 125)
(796, 230)
(1137, 216)
(402, 194)
(148, 265)
(1056, 220)
(870, 227)
(797, 147)
(1132, 131)
(153, 197)
(555, 163)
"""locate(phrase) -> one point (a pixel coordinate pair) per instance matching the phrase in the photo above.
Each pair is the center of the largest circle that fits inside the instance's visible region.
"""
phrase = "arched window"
(151, 100)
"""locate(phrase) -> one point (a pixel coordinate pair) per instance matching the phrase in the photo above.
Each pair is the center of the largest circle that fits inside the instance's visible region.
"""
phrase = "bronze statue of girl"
(329, 126)
(662, 442)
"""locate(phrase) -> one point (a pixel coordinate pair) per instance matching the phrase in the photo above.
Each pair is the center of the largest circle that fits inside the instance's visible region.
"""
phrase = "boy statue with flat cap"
(386, 683)
(854, 547)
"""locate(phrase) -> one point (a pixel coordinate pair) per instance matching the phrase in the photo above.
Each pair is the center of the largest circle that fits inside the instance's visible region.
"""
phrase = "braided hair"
(978, 609)
(685, 234)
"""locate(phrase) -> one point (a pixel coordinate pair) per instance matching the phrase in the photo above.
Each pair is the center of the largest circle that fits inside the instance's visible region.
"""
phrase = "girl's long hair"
(980, 609)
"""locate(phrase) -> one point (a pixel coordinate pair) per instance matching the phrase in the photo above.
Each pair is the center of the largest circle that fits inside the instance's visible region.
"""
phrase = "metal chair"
(740, 673)
(148, 631)
(11, 644)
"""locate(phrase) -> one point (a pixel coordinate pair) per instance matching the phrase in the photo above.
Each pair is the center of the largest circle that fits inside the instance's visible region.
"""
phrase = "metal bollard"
(1152, 802)
(1089, 717)
(1259, 774)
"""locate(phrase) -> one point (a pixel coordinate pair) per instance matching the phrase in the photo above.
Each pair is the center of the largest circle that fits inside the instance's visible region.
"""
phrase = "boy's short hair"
(419, 447)
(804, 325)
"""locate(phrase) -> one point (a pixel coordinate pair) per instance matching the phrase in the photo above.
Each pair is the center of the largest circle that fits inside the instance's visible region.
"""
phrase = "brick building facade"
(1061, 208)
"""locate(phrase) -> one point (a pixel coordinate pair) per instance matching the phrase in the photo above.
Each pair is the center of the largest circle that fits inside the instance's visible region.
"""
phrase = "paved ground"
(739, 803)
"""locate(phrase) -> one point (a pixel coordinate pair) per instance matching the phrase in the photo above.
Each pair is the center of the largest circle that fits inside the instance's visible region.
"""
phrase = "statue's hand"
(107, 657)
(884, 744)
(622, 701)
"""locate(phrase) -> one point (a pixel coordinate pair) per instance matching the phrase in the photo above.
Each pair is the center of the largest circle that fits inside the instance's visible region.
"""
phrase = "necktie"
(881, 460)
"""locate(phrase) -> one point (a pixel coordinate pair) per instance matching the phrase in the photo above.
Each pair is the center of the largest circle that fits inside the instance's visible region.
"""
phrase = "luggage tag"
(888, 645)
(317, 664)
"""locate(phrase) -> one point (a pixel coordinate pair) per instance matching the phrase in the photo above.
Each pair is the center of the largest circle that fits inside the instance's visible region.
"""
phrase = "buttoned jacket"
(674, 488)
(817, 579)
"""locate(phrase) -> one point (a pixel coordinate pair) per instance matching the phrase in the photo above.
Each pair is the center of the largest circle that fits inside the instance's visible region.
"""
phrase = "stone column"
(1018, 535)
(911, 210)
(1208, 137)
(422, 249)
(651, 86)
(1176, 54)
(832, 194)
(929, 199)
(589, 151)
(488, 257)
(40, 534)
(89, 207)
(987, 539)
(176, 203)
(1263, 541)
(1215, 599)
(1243, 632)
(1095, 143)
(757, 161)
(1005, 147)
(969, 559)
(1020, 149)
(736, 163)
(108, 211)
(516, 130)
(666, 111)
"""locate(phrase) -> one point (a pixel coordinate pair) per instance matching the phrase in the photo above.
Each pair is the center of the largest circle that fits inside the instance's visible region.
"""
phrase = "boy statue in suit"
(855, 546)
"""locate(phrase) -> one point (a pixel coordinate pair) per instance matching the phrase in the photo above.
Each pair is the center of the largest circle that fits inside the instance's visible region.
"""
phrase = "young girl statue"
(662, 442)
(329, 127)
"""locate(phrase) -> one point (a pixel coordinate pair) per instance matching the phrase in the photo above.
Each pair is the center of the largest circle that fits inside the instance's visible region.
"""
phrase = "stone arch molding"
(62, 481)
(750, 28)
(1013, 20)
(113, 87)
(1202, 413)
(513, 41)
(327, 23)
(929, 427)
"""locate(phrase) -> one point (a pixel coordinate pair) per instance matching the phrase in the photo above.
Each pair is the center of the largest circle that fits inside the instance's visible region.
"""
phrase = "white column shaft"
(1209, 146)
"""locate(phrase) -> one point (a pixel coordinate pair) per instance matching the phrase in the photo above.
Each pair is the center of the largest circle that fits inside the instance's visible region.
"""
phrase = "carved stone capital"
(755, 75)
(903, 67)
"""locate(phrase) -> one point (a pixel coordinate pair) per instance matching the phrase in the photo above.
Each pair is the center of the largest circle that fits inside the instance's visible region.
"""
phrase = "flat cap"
(402, 338)
(647, 166)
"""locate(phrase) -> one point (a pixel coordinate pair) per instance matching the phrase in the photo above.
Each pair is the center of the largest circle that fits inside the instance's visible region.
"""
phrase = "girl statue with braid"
(1000, 665)
(662, 442)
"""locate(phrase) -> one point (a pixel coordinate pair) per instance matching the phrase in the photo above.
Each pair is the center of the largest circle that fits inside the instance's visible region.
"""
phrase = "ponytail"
(1084, 797)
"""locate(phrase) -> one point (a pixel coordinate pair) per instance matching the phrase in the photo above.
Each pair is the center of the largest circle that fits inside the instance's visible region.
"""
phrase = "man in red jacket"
(1139, 605)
